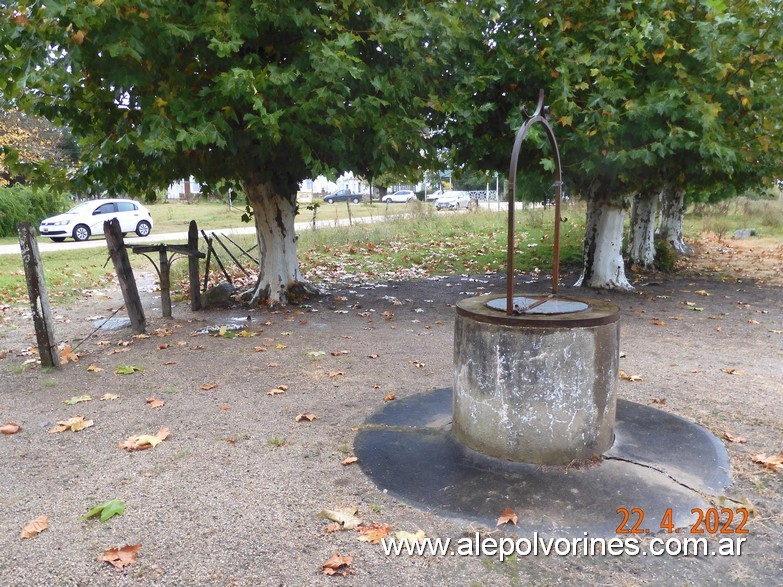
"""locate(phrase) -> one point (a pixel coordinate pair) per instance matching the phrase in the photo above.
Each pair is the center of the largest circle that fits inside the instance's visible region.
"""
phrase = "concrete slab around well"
(659, 461)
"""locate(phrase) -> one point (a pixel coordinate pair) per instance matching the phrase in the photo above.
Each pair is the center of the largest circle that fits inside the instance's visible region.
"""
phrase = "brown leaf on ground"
(67, 354)
(349, 460)
(273, 365)
(108, 396)
(389, 397)
(308, 416)
(334, 373)
(333, 527)
(658, 323)
(731, 438)
(659, 401)
(145, 441)
(507, 516)
(624, 375)
(274, 392)
(774, 462)
(373, 533)
(209, 386)
(120, 557)
(225, 407)
(94, 368)
(155, 403)
(35, 527)
(346, 516)
(338, 353)
(338, 565)
(732, 371)
(73, 424)
(373, 356)
(10, 428)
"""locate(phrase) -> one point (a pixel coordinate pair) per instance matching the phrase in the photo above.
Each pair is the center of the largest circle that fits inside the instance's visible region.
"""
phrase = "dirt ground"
(232, 496)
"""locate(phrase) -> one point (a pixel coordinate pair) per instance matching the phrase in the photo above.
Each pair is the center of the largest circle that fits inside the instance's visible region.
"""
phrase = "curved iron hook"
(512, 178)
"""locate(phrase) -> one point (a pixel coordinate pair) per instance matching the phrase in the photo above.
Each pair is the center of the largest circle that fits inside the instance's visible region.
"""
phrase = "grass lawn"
(422, 243)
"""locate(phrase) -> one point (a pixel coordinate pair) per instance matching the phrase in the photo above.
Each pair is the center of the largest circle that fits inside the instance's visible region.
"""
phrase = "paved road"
(44, 245)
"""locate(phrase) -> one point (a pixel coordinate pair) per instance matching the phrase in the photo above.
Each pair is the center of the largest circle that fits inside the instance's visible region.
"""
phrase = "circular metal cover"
(552, 305)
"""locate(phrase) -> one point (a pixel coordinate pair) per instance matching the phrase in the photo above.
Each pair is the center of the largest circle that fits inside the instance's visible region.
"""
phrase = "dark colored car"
(343, 196)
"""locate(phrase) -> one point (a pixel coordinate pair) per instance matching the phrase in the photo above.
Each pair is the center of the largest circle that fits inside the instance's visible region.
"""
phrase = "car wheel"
(329, 201)
(387, 200)
(143, 228)
(81, 233)
(58, 239)
(355, 200)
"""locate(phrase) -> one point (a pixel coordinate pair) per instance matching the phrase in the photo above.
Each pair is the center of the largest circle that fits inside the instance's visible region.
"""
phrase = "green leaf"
(107, 510)
(127, 369)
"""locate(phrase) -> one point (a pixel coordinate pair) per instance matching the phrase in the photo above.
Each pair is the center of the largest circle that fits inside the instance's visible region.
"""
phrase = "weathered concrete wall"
(525, 390)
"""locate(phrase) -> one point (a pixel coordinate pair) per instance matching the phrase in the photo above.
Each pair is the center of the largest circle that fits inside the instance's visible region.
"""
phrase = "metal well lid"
(549, 305)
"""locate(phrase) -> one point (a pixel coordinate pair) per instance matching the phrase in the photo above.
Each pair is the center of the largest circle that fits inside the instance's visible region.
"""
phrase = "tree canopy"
(262, 93)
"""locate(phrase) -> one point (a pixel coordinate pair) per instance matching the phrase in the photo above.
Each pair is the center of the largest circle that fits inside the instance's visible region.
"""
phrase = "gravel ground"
(232, 496)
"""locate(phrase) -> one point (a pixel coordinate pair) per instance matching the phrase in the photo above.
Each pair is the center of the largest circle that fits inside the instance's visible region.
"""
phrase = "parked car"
(453, 201)
(87, 218)
(400, 196)
(342, 196)
(433, 196)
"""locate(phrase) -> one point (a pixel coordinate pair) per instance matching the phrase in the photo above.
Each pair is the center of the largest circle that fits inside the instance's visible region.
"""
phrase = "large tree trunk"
(279, 274)
(642, 237)
(672, 213)
(603, 265)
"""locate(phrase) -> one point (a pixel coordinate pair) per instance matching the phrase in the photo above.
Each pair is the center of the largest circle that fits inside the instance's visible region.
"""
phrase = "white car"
(400, 196)
(86, 219)
(453, 201)
(431, 197)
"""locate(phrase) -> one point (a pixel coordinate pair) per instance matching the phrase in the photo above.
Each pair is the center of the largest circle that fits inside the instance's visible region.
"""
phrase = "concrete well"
(539, 387)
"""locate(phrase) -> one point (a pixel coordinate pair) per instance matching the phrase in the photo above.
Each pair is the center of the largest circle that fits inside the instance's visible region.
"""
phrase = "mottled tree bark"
(603, 265)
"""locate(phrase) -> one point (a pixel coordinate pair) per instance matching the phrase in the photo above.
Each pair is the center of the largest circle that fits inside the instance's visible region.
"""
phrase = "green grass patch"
(69, 274)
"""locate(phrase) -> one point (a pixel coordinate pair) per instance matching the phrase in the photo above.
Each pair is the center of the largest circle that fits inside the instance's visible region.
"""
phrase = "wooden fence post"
(39, 296)
(119, 257)
(195, 282)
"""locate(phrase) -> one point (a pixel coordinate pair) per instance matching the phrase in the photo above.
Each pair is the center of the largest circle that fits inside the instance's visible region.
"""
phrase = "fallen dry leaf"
(373, 356)
(346, 516)
(73, 424)
(67, 354)
(273, 365)
(731, 438)
(77, 399)
(155, 403)
(94, 368)
(280, 346)
(733, 371)
(658, 323)
(274, 392)
(333, 527)
(120, 557)
(349, 460)
(308, 416)
(389, 397)
(774, 462)
(35, 527)
(373, 533)
(338, 353)
(338, 565)
(334, 373)
(660, 400)
(410, 538)
(108, 396)
(10, 428)
(144, 441)
(507, 516)
(225, 407)
(209, 386)
(624, 375)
